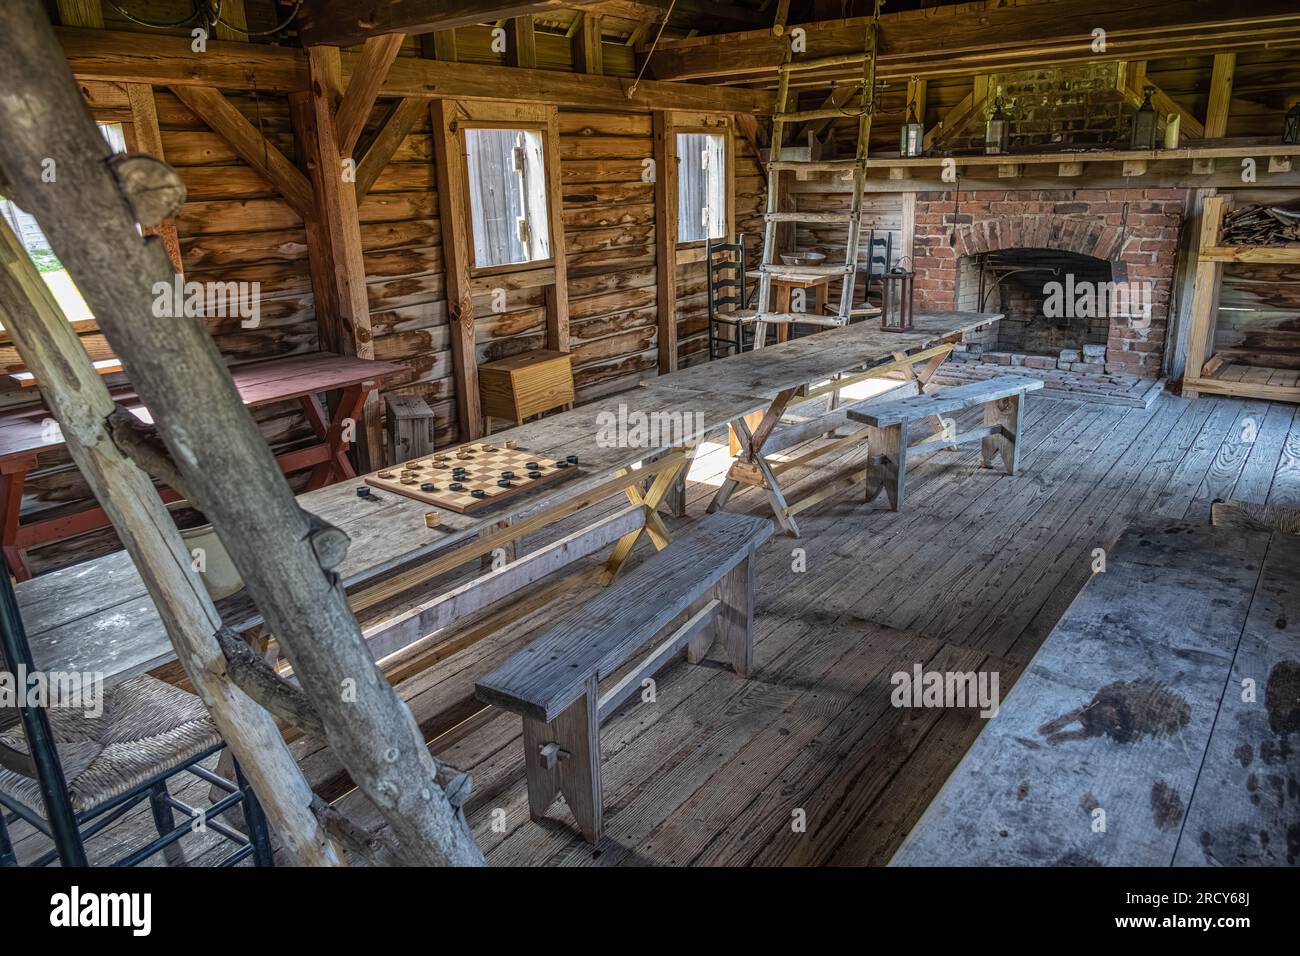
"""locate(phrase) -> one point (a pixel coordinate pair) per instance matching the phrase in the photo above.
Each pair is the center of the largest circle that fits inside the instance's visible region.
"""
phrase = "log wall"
(234, 227)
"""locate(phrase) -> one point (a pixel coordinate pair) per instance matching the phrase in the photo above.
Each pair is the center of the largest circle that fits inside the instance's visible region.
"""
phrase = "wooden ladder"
(770, 267)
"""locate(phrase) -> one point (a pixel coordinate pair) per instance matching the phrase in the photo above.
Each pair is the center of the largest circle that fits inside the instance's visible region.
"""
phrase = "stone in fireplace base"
(1081, 381)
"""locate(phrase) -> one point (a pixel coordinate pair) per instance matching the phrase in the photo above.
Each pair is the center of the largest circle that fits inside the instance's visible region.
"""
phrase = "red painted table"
(26, 432)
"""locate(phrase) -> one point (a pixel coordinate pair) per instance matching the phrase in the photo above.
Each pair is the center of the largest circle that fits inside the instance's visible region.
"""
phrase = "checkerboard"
(485, 467)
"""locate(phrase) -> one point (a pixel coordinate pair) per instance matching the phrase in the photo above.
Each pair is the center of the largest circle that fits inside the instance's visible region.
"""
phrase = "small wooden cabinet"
(524, 385)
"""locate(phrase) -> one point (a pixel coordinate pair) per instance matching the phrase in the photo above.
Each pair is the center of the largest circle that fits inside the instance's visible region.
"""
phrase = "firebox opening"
(1042, 294)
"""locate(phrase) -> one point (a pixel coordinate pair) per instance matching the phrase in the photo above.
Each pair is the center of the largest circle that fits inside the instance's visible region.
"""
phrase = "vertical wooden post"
(81, 404)
(1221, 81)
(1205, 293)
(232, 11)
(521, 43)
(449, 165)
(336, 232)
(665, 165)
(557, 295)
(81, 13)
(917, 89)
(148, 139)
(589, 57)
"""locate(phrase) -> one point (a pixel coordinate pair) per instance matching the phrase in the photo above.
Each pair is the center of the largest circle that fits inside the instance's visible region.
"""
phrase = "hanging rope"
(631, 91)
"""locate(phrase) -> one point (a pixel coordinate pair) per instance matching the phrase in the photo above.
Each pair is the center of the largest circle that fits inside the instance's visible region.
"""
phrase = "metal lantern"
(1143, 135)
(896, 299)
(1291, 128)
(912, 140)
(997, 131)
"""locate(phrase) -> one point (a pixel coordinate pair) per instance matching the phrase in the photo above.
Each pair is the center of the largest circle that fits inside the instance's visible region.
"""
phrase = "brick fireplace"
(1004, 247)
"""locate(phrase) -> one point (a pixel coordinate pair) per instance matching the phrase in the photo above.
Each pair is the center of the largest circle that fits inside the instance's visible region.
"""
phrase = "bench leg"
(887, 467)
(1004, 413)
(734, 623)
(563, 757)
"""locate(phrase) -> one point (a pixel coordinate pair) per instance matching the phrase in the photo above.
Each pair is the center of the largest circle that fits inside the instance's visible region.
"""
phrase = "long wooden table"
(1155, 726)
(26, 432)
(97, 616)
(806, 369)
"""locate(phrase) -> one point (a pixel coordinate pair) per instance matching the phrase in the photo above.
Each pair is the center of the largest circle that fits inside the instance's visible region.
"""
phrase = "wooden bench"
(552, 683)
(1003, 399)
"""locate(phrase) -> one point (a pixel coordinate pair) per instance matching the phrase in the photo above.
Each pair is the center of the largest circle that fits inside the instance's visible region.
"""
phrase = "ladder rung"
(808, 216)
(816, 165)
(817, 62)
(800, 272)
(803, 116)
(782, 318)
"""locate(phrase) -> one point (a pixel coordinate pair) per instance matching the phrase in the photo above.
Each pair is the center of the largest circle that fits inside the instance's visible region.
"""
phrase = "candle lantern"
(1291, 127)
(1143, 135)
(912, 140)
(896, 299)
(997, 131)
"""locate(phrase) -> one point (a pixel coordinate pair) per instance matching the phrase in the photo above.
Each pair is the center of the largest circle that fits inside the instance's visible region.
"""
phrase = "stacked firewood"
(1262, 225)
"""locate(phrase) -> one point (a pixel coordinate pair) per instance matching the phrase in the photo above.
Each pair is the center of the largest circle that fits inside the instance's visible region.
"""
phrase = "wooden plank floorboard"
(852, 547)
(898, 806)
(971, 575)
(1243, 812)
(999, 619)
(1229, 459)
(1177, 495)
(1095, 523)
(771, 754)
(993, 531)
(1286, 481)
(1264, 456)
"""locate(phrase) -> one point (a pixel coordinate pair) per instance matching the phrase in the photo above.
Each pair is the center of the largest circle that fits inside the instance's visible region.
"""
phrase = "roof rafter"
(990, 36)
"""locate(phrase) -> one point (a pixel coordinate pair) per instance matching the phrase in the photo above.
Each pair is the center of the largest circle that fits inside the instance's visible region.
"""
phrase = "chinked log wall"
(235, 227)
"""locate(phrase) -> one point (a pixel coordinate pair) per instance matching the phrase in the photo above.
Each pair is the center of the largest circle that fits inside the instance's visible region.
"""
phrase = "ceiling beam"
(345, 24)
(990, 36)
(169, 61)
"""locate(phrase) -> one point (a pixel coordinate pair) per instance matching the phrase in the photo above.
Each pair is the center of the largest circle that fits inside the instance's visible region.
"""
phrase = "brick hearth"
(1136, 230)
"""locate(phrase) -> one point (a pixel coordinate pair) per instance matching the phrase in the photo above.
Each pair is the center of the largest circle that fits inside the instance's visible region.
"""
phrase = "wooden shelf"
(1249, 381)
(1289, 255)
(1217, 374)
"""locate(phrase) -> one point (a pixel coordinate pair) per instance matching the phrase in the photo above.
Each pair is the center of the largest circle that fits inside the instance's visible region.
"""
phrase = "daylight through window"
(507, 196)
(701, 186)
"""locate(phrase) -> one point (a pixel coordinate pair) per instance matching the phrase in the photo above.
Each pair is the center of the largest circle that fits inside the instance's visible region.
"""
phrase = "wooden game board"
(484, 465)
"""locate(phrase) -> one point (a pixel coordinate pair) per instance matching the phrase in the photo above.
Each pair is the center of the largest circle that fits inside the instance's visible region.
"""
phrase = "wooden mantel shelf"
(1186, 153)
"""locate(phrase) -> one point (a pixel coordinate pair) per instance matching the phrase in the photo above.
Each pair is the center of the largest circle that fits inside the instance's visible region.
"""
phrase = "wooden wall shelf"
(1216, 374)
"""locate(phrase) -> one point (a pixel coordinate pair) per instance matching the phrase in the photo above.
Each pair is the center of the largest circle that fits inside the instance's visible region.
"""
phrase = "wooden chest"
(524, 385)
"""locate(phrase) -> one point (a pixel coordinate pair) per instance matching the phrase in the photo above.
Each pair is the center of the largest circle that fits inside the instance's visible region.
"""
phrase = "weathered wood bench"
(552, 683)
(1003, 399)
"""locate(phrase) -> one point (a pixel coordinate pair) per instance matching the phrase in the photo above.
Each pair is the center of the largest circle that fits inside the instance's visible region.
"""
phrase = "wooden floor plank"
(1243, 811)
(1256, 478)
(1124, 695)
(1285, 490)
(972, 574)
